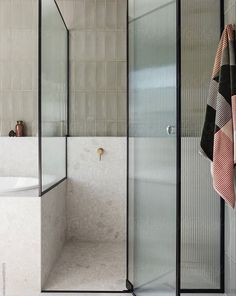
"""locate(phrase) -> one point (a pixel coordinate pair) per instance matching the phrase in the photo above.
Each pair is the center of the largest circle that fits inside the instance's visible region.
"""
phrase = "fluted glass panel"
(152, 157)
(54, 95)
(200, 228)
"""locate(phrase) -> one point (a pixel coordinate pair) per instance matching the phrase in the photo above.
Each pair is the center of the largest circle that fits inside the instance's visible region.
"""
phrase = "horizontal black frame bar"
(91, 292)
(199, 291)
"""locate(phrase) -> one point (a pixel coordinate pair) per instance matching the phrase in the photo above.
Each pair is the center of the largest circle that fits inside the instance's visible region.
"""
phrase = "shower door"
(152, 147)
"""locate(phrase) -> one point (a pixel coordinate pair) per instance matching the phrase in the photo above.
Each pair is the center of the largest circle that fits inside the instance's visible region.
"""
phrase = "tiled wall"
(18, 64)
(230, 242)
(98, 66)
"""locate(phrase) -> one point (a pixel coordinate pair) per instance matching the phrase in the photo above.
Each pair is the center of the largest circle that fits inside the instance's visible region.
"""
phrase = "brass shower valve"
(100, 152)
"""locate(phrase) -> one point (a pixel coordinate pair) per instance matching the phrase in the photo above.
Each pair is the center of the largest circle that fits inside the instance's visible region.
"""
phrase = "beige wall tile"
(111, 80)
(98, 66)
(90, 14)
(18, 63)
(122, 106)
(111, 14)
(90, 76)
(121, 14)
(121, 128)
(112, 128)
(121, 45)
(101, 106)
(101, 76)
(111, 106)
(100, 127)
(100, 14)
(100, 45)
(121, 76)
(110, 45)
(79, 14)
(80, 76)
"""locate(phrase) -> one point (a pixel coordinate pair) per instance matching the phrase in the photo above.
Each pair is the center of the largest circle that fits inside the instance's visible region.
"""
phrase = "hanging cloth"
(218, 142)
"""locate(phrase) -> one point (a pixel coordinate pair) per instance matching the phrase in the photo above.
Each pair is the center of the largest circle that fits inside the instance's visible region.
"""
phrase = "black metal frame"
(222, 203)
(39, 96)
(85, 292)
(178, 170)
(129, 285)
(41, 191)
(178, 147)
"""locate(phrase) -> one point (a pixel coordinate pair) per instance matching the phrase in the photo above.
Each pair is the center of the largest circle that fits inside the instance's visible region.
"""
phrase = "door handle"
(171, 130)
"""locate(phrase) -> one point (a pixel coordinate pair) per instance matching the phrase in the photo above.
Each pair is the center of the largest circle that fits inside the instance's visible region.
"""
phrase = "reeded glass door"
(152, 147)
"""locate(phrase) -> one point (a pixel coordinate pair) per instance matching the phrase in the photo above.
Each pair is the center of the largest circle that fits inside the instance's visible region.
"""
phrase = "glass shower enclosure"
(175, 218)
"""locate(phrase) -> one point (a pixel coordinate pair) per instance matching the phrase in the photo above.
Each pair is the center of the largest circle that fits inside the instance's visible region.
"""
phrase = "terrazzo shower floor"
(89, 266)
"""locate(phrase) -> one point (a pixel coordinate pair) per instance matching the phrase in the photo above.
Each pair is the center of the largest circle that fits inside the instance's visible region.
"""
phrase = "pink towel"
(218, 141)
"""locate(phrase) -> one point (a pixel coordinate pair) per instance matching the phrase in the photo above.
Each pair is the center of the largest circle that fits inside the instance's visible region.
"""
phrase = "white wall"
(96, 199)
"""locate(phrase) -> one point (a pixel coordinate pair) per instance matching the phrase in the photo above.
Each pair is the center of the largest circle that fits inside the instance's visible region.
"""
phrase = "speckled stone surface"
(89, 266)
(20, 246)
(53, 228)
(96, 197)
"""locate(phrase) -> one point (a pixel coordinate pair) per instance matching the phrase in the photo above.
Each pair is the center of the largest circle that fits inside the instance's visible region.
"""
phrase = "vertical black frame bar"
(178, 147)
(39, 96)
(129, 285)
(41, 192)
(127, 147)
(68, 98)
(222, 203)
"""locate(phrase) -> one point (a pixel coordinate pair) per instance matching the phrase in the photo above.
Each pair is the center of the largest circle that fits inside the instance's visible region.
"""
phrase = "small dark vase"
(12, 133)
(19, 128)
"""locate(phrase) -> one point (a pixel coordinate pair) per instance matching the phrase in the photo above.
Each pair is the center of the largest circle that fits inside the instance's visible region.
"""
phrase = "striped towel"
(218, 142)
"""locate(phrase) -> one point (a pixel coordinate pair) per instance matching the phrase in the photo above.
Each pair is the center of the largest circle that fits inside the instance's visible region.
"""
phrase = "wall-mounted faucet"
(100, 152)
